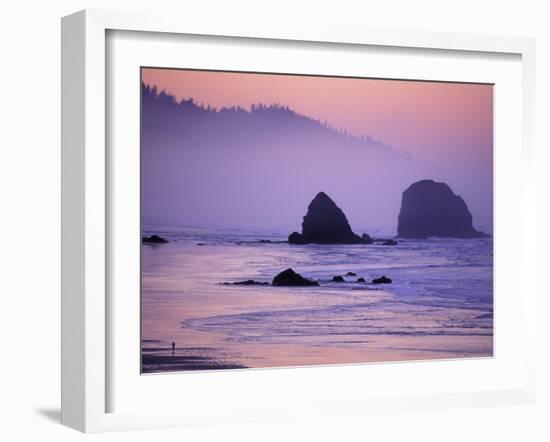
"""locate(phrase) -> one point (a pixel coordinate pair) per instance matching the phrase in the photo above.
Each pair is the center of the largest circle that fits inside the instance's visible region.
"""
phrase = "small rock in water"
(289, 277)
(361, 280)
(201, 244)
(155, 239)
(382, 280)
(390, 242)
(296, 238)
(351, 274)
(337, 278)
(366, 239)
(247, 282)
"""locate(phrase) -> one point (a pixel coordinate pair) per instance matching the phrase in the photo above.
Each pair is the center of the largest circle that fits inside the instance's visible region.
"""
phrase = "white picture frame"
(86, 205)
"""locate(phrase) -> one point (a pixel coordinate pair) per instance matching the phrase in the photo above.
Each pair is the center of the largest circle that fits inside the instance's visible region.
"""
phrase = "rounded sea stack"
(429, 208)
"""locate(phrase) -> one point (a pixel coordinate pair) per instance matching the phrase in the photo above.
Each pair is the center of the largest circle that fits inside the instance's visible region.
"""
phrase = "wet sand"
(439, 306)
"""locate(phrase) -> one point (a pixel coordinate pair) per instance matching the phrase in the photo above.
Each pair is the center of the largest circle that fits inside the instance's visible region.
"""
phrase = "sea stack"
(324, 223)
(429, 208)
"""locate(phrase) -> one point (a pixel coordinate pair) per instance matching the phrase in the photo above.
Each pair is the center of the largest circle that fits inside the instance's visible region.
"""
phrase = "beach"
(439, 305)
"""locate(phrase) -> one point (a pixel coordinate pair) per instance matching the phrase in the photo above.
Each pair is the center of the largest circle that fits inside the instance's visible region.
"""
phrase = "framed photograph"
(262, 223)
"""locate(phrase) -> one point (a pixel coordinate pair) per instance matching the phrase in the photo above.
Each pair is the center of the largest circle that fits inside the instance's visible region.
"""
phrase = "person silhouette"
(173, 347)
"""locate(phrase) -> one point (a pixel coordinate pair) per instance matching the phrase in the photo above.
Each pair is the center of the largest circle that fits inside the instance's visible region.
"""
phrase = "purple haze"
(259, 170)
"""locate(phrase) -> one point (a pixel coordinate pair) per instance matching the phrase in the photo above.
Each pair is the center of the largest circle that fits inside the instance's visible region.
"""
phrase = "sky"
(430, 120)
(446, 128)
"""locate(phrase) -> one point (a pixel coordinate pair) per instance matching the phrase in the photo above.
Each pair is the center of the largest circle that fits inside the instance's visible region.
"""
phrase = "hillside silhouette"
(236, 167)
(162, 112)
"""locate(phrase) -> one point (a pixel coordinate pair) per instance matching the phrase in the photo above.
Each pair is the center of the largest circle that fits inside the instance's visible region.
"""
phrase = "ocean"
(439, 305)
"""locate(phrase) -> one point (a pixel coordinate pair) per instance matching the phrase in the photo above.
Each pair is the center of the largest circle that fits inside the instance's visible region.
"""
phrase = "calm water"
(440, 304)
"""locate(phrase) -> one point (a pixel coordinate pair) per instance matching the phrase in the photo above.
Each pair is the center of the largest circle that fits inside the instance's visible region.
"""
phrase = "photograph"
(293, 220)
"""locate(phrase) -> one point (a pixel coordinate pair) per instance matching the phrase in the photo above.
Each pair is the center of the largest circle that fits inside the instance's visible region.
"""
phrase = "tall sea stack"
(429, 208)
(324, 223)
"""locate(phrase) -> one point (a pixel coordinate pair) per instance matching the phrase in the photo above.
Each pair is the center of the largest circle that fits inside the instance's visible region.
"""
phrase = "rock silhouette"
(337, 278)
(382, 280)
(429, 208)
(366, 238)
(289, 277)
(246, 282)
(154, 239)
(324, 223)
(296, 238)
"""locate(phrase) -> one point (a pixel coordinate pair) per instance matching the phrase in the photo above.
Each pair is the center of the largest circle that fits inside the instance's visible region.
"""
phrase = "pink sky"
(430, 120)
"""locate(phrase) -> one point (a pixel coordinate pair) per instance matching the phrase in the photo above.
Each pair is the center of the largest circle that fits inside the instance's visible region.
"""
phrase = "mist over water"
(261, 168)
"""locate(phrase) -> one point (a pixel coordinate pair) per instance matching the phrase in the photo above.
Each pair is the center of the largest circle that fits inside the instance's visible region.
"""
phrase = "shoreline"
(439, 305)
(331, 356)
(173, 362)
